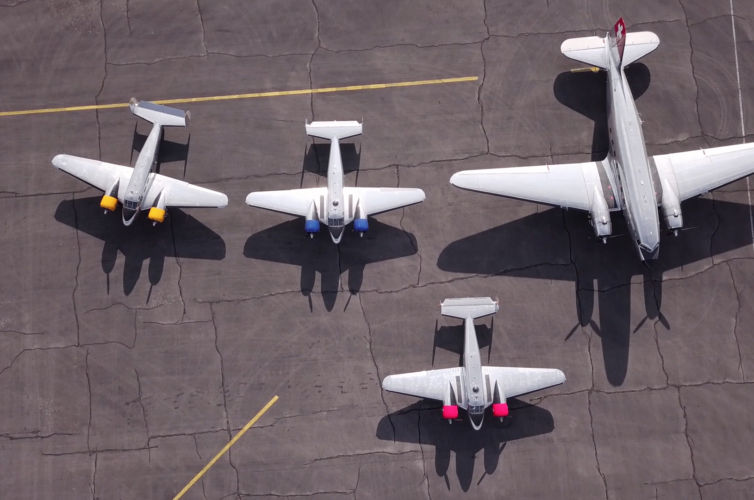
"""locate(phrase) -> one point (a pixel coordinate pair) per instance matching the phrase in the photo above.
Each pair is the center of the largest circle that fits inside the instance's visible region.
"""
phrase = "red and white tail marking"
(620, 37)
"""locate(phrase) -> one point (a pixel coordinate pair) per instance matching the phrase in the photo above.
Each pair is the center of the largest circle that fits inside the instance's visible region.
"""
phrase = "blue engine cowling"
(311, 226)
(361, 225)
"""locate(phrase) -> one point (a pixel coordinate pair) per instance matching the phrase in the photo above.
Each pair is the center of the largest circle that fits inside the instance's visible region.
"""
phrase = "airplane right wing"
(568, 185)
(517, 381)
(377, 200)
(430, 384)
(695, 172)
(96, 173)
(291, 201)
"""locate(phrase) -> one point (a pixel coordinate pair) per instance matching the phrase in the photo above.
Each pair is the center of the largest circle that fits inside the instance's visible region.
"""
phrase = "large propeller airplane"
(335, 205)
(627, 179)
(140, 188)
(472, 386)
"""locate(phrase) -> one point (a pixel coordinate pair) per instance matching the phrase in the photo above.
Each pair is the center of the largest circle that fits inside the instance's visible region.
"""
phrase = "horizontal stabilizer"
(592, 49)
(334, 129)
(471, 307)
(158, 114)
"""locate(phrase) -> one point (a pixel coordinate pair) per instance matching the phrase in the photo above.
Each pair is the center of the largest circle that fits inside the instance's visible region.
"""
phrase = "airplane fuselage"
(473, 379)
(141, 179)
(630, 165)
(335, 211)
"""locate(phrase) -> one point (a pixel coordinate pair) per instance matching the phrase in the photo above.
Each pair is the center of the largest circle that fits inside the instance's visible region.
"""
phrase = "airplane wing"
(290, 201)
(431, 384)
(696, 172)
(182, 194)
(377, 200)
(96, 173)
(568, 185)
(517, 381)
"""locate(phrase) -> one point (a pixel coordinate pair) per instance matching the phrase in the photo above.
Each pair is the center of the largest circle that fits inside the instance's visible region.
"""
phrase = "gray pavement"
(130, 356)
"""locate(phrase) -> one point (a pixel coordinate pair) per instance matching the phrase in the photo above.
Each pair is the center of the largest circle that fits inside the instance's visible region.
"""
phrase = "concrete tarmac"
(130, 356)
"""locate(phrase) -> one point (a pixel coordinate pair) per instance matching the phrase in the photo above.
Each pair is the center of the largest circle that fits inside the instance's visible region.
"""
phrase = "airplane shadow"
(170, 151)
(451, 339)
(180, 236)
(586, 93)
(604, 271)
(287, 243)
(422, 423)
(317, 156)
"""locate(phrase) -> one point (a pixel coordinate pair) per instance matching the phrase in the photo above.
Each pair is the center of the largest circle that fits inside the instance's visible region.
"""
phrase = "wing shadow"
(283, 243)
(181, 236)
(422, 423)
(604, 271)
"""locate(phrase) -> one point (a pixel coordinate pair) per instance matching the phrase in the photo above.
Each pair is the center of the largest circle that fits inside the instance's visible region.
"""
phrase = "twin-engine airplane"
(335, 205)
(627, 179)
(472, 387)
(139, 188)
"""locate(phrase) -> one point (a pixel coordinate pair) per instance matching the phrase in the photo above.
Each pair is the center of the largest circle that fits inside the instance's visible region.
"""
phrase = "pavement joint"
(689, 440)
(693, 68)
(594, 443)
(735, 322)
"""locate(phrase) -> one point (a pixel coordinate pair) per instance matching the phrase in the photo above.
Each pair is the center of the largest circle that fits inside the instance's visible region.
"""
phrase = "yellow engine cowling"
(109, 203)
(157, 214)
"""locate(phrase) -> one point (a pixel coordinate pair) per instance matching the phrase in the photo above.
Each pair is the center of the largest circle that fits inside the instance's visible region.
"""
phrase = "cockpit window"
(335, 222)
(476, 410)
(131, 205)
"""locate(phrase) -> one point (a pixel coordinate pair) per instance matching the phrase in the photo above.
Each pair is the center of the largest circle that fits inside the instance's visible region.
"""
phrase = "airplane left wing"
(430, 384)
(695, 172)
(517, 381)
(179, 193)
(377, 200)
(96, 173)
(291, 201)
(568, 185)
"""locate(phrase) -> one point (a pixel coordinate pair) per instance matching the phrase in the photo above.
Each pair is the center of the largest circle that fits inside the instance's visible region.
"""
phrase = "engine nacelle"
(311, 226)
(600, 216)
(109, 203)
(671, 207)
(450, 412)
(500, 410)
(361, 225)
(156, 214)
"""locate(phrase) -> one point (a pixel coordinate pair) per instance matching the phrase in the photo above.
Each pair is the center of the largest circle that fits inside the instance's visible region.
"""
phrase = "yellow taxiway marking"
(226, 447)
(253, 95)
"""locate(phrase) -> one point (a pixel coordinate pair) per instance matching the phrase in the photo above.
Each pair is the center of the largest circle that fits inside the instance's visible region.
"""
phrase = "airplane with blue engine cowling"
(472, 386)
(336, 205)
(140, 188)
(627, 179)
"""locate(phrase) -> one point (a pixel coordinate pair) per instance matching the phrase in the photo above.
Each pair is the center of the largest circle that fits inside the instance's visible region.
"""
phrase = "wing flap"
(568, 185)
(378, 200)
(291, 201)
(430, 384)
(695, 172)
(518, 381)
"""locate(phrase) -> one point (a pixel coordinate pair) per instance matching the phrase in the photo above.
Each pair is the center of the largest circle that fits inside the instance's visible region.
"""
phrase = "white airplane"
(627, 179)
(335, 205)
(139, 188)
(472, 387)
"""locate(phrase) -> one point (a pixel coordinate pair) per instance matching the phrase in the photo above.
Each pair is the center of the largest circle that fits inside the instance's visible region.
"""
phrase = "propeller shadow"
(602, 271)
(422, 423)
(181, 236)
(283, 243)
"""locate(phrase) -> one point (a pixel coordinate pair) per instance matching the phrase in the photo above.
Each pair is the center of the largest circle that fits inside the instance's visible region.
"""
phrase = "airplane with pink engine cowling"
(472, 387)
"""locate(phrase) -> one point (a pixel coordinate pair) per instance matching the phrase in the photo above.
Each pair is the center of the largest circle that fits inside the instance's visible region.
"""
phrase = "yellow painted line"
(227, 447)
(253, 95)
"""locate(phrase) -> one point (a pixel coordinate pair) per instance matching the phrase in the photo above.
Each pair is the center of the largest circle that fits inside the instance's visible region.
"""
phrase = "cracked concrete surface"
(129, 356)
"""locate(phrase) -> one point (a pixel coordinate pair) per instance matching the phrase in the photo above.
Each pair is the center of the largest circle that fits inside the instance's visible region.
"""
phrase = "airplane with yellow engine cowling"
(140, 188)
